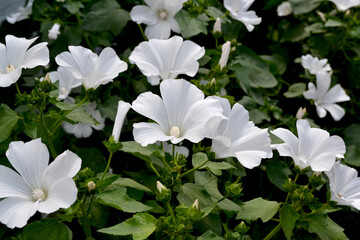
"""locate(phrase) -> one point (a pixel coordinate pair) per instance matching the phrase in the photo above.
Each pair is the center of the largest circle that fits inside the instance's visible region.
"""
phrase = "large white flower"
(238, 137)
(314, 65)
(314, 147)
(181, 113)
(343, 5)
(344, 185)
(239, 11)
(66, 81)
(159, 16)
(91, 69)
(15, 55)
(36, 186)
(164, 59)
(21, 13)
(325, 99)
(123, 108)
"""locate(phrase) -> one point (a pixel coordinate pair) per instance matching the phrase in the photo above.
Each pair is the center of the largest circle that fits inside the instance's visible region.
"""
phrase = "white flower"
(159, 16)
(21, 13)
(168, 148)
(314, 65)
(217, 26)
(84, 130)
(15, 55)
(325, 99)
(181, 114)
(226, 47)
(314, 147)
(238, 137)
(164, 59)
(66, 81)
(91, 69)
(239, 11)
(284, 9)
(343, 5)
(36, 186)
(54, 31)
(123, 108)
(344, 185)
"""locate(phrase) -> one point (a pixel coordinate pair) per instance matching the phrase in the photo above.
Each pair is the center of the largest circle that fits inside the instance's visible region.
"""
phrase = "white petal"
(143, 14)
(123, 108)
(250, 159)
(149, 133)
(16, 48)
(159, 30)
(38, 55)
(335, 110)
(311, 93)
(109, 64)
(154, 80)
(249, 19)
(323, 80)
(321, 112)
(335, 94)
(7, 79)
(80, 130)
(12, 184)
(4, 61)
(224, 54)
(290, 140)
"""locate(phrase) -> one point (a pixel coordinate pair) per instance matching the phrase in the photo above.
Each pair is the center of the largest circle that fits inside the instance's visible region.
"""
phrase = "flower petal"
(335, 110)
(143, 14)
(6, 79)
(123, 108)
(291, 142)
(149, 133)
(16, 48)
(335, 94)
(38, 55)
(109, 64)
(159, 30)
(12, 184)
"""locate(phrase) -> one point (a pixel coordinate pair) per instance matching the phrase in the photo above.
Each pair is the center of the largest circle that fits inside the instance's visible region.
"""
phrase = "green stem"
(154, 169)
(193, 169)
(17, 88)
(142, 32)
(85, 220)
(48, 138)
(107, 166)
(273, 232)
(170, 210)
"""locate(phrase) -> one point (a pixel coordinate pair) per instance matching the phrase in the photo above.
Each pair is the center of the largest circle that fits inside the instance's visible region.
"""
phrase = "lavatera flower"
(343, 5)
(314, 65)
(314, 147)
(238, 137)
(15, 55)
(325, 99)
(181, 113)
(35, 185)
(164, 59)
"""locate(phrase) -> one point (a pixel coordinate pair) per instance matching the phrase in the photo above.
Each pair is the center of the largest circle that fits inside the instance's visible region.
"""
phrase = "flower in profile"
(181, 113)
(314, 147)
(21, 13)
(164, 59)
(15, 55)
(217, 26)
(84, 130)
(123, 108)
(54, 31)
(238, 137)
(239, 11)
(36, 185)
(344, 185)
(66, 81)
(343, 5)
(314, 65)
(325, 99)
(159, 16)
(91, 69)
(224, 54)
(284, 9)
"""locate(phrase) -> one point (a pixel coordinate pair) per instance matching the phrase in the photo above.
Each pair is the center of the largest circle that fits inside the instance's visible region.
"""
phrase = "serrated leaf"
(288, 218)
(295, 90)
(118, 199)
(140, 226)
(8, 120)
(326, 228)
(190, 26)
(50, 229)
(199, 159)
(258, 208)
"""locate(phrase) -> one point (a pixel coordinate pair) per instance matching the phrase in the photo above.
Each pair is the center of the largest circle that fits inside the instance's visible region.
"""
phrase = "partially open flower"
(54, 31)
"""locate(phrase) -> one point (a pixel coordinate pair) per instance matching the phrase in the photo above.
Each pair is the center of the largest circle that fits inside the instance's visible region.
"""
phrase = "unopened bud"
(91, 186)
(347, 13)
(224, 54)
(160, 187)
(47, 78)
(212, 82)
(196, 204)
(321, 15)
(300, 113)
(217, 26)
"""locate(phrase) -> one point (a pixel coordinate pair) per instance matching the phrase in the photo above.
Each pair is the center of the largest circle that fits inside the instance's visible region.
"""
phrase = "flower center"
(10, 68)
(163, 14)
(175, 131)
(38, 194)
(63, 90)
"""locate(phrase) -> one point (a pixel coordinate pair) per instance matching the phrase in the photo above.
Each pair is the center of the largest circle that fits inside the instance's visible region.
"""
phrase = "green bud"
(111, 145)
(234, 189)
(242, 228)
(163, 194)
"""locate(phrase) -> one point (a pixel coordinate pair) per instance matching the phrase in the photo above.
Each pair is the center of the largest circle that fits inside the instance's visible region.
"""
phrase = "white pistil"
(10, 68)
(63, 90)
(163, 14)
(175, 131)
(38, 194)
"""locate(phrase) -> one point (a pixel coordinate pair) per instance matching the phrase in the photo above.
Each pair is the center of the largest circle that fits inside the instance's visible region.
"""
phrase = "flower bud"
(300, 113)
(91, 186)
(224, 54)
(217, 26)
(196, 204)
(47, 78)
(159, 186)
(163, 193)
(284, 9)
(54, 31)
(123, 108)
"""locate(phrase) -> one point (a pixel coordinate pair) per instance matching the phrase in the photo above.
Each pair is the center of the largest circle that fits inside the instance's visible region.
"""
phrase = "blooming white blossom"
(314, 147)
(343, 5)
(217, 26)
(325, 99)
(36, 186)
(238, 137)
(21, 13)
(181, 113)
(239, 11)
(159, 16)
(123, 108)
(54, 31)
(15, 55)
(66, 81)
(314, 65)
(284, 9)
(344, 185)
(91, 69)
(226, 47)
(164, 59)
(84, 130)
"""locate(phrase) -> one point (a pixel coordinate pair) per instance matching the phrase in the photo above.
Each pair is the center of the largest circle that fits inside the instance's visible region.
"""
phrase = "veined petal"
(149, 133)
(173, 6)
(16, 48)
(290, 141)
(85, 60)
(143, 14)
(66, 81)
(30, 160)
(250, 158)
(38, 55)
(335, 110)
(6, 79)
(12, 184)
(109, 64)
(159, 30)
(194, 134)
(335, 94)
(249, 19)
(4, 61)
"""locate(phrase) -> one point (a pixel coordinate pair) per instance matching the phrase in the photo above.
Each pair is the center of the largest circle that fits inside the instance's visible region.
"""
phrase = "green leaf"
(109, 108)
(8, 120)
(50, 229)
(140, 226)
(106, 15)
(295, 90)
(199, 159)
(190, 26)
(315, 28)
(333, 23)
(351, 135)
(355, 32)
(325, 228)
(288, 217)
(295, 32)
(215, 12)
(352, 156)
(258, 116)
(209, 235)
(216, 167)
(73, 7)
(144, 153)
(189, 192)
(118, 199)
(128, 182)
(80, 115)
(278, 173)
(258, 208)
(303, 6)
